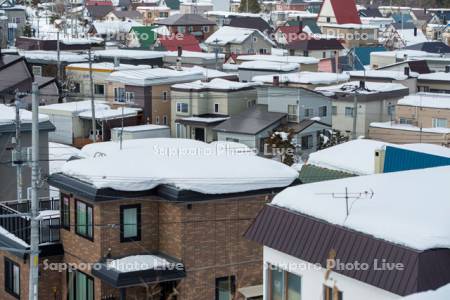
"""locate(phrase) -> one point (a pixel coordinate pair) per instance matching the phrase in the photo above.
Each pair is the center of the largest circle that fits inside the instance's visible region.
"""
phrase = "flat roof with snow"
(269, 66)
(129, 54)
(215, 84)
(155, 76)
(278, 58)
(438, 76)
(305, 78)
(429, 100)
(408, 127)
(382, 74)
(370, 88)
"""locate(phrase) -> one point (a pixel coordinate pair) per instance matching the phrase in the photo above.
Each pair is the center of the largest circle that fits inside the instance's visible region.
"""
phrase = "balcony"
(19, 225)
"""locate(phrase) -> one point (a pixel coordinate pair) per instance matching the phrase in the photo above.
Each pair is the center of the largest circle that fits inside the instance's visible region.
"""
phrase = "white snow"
(281, 59)
(438, 76)
(52, 56)
(204, 120)
(107, 66)
(401, 54)
(185, 164)
(358, 156)
(234, 35)
(129, 54)
(394, 75)
(407, 208)
(11, 236)
(269, 66)
(407, 127)
(208, 73)
(409, 38)
(443, 293)
(216, 84)
(48, 214)
(283, 135)
(429, 100)
(155, 76)
(305, 78)
(75, 107)
(146, 127)
(371, 87)
(138, 263)
(114, 27)
(106, 114)
(58, 154)
(8, 115)
(193, 54)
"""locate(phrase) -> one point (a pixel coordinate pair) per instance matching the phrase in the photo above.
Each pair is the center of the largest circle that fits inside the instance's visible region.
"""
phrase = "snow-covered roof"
(58, 154)
(108, 66)
(350, 26)
(208, 73)
(269, 66)
(74, 107)
(138, 263)
(186, 164)
(429, 100)
(233, 35)
(438, 76)
(407, 127)
(394, 75)
(227, 14)
(52, 56)
(155, 76)
(370, 87)
(146, 127)
(406, 208)
(13, 237)
(305, 78)
(278, 58)
(107, 114)
(194, 54)
(129, 54)
(8, 115)
(205, 119)
(442, 293)
(401, 54)
(410, 38)
(215, 84)
(358, 156)
(111, 27)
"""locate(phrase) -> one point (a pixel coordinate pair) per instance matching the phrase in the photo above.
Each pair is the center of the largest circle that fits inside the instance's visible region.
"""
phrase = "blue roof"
(397, 159)
(402, 18)
(363, 53)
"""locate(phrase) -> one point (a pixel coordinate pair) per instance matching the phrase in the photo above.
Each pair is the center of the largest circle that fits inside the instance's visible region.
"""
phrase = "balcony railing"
(19, 225)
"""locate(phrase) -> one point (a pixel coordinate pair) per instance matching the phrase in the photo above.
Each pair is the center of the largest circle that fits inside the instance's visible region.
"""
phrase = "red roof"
(187, 42)
(345, 11)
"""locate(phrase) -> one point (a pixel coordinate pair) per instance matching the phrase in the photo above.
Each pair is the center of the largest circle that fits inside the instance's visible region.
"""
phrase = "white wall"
(313, 279)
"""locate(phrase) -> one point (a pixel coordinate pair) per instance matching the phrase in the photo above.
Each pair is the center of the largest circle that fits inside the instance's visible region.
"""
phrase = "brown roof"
(185, 19)
(311, 240)
(315, 44)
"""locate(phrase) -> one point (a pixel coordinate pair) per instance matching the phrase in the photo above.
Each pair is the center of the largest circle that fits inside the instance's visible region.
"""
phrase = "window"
(332, 293)
(349, 112)
(328, 19)
(255, 39)
(324, 54)
(334, 110)
(191, 28)
(205, 29)
(12, 278)
(292, 113)
(182, 107)
(165, 96)
(251, 103)
(37, 70)
(309, 112)
(232, 140)
(305, 53)
(130, 223)
(181, 130)
(81, 286)
(129, 97)
(283, 285)
(65, 211)
(307, 142)
(225, 288)
(84, 220)
(181, 29)
(99, 89)
(323, 111)
(119, 94)
(157, 120)
(165, 120)
(263, 51)
(216, 107)
(405, 121)
(76, 87)
(438, 122)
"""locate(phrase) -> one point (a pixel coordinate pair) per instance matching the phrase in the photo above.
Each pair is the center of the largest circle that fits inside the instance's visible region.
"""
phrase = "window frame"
(74, 272)
(285, 281)
(96, 85)
(435, 122)
(323, 111)
(307, 137)
(328, 293)
(65, 224)
(232, 287)
(90, 238)
(8, 262)
(138, 237)
(347, 109)
(216, 107)
(179, 107)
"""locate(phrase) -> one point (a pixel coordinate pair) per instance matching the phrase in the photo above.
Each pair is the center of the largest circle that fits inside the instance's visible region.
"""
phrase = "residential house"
(420, 118)
(14, 75)
(130, 57)
(257, 23)
(375, 102)
(79, 79)
(98, 10)
(291, 18)
(73, 121)
(298, 5)
(370, 11)
(319, 265)
(198, 106)
(149, 89)
(145, 131)
(223, 17)
(155, 248)
(317, 48)
(380, 22)
(151, 13)
(398, 36)
(16, 20)
(306, 63)
(124, 15)
(235, 40)
(190, 58)
(112, 31)
(196, 7)
(191, 24)
(48, 92)
(50, 43)
(352, 35)
(186, 42)
(338, 12)
(287, 34)
(403, 58)
(422, 17)
(389, 10)
(406, 78)
(438, 82)
(249, 69)
(143, 37)
(3, 33)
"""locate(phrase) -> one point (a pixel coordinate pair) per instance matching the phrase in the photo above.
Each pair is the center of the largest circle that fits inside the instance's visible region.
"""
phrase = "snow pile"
(429, 100)
(305, 78)
(11, 236)
(48, 214)
(438, 76)
(407, 127)
(205, 119)
(215, 84)
(8, 115)
(269, 66)
(113, 27)
(406, 208)
(58, 154)
(443, 293)
(186, 164)
(138, 263)
(358, 156)
(371, 87)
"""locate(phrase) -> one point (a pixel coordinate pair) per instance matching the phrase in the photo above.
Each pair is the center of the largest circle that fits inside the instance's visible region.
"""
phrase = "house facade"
(438, 82)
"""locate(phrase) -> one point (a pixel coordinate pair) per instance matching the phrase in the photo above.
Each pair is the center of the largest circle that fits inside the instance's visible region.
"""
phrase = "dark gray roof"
(131, 14)
(251, 121)
(433, 47)
(98, 11)
(252, 23)
(405, 25)
(304, 124)
(185, 19)
(311, 240)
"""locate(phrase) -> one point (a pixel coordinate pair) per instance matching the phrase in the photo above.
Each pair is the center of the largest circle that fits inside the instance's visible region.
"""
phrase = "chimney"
(447, 69)
(276, 80)
(415, 31)
(116, 62)
(362, 84)
(407, 71)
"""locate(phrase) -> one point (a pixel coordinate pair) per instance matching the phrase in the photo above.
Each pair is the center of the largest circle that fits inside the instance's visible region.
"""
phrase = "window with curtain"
(225, 288)
(81, 286)
(283, 285)
(130, 223)
(330, 293)
(65, 211)
(84, 220)
(12, 278)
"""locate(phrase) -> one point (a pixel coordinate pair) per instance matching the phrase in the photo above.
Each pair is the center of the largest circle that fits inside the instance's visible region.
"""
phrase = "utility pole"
(91, 84)
(355, 113)
(58, 57)
(18, 150)
(34, 237)
(216, 52)
(121, 131)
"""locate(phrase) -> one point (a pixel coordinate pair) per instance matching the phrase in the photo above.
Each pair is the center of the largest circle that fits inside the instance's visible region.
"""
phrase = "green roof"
(312, 24)
(173, 4)
(145, 34)
(311, 173)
